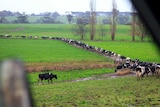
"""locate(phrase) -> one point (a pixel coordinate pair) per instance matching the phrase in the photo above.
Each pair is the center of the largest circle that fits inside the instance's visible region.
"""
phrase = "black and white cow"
(46, 76)
(45, 37)
(141, 71)
(157, 66)
(122, 66)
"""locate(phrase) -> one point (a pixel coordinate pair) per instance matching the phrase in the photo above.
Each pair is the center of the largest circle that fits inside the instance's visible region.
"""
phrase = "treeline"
(52, 17)
(46, 17)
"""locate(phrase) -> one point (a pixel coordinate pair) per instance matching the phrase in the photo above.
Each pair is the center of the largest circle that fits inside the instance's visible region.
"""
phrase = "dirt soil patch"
(123, 71)
(104, 76)
(64, 66)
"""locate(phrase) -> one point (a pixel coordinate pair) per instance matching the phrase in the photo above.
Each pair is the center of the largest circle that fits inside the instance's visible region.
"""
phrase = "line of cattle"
(141, 68)
(116, 57)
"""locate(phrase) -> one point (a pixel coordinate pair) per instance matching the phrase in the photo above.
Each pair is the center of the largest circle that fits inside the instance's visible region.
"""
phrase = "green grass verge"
(120, 92)
(70, 75)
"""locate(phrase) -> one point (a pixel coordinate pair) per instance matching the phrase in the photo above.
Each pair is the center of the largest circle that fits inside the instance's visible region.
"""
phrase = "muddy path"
(99, 77)
(104, 76)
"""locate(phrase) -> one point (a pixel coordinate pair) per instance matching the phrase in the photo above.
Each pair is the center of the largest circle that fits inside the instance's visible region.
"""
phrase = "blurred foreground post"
(14, 90)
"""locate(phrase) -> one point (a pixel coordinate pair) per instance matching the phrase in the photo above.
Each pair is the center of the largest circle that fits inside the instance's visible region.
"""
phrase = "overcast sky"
(61, 6)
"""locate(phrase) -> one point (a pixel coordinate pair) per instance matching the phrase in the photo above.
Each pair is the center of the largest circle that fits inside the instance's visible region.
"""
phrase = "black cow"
(119, 67)
(122, 66)
(47, 76)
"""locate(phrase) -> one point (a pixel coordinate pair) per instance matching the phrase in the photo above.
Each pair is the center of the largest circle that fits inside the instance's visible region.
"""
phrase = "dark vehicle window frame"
(148, 11)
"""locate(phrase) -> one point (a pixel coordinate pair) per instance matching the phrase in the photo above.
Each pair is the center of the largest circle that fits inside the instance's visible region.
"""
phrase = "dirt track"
(104, 76)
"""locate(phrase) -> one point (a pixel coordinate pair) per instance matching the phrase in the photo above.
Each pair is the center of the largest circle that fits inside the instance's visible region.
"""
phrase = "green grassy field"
(63, 30)
(65, 91)
(45, 51)
(70, 90)
(56, 30)
(119, 92)
(145, 51)
(70, 75)
(126, 48)
(58, 51)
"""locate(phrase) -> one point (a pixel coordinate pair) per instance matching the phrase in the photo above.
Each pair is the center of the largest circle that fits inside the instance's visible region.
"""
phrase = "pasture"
(71, 75)
(107, 92)
(57, 30)
(45, 51)
(70, 89)
(58, 51)
(91, 87)
(144, 51)
(39, 55)
(65, 30)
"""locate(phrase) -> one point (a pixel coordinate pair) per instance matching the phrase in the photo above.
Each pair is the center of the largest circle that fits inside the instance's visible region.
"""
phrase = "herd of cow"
(141, 68)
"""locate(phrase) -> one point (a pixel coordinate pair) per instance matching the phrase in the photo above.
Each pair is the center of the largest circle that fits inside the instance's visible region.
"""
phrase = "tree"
(46, 19)
(140, 29)
(102, 31)
(80, 27)
(22, 18)
(133, 25)
(113, 22)
(55, 15)
(69, 18)
(6, 13)
(92, 19)
(106, 20)
(123, 19)
(133, 22)
(3, 20)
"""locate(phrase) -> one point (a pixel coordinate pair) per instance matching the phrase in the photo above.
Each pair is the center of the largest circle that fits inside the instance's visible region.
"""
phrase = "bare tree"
(92, 19)
(133, 22)
(3, 20)
(80, 27)
(69, 18)
(113, 22)
(140, 29)
(102, 31)
(22, 18)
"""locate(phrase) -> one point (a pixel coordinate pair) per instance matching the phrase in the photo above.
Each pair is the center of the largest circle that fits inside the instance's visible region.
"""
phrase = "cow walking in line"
(46, 76)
